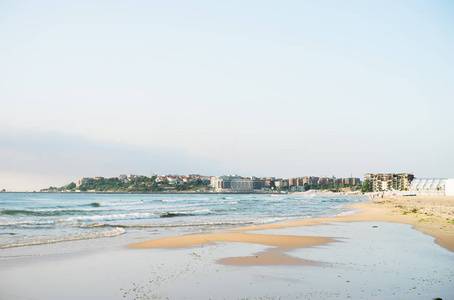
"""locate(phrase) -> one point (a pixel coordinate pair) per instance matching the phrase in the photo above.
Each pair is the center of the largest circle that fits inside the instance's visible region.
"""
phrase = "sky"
(255, 88)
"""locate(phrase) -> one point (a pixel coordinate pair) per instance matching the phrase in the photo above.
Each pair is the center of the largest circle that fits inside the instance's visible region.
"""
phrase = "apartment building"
(391, 181)
(281, 183)
(236, 183)
(311, 180)
(351, 181)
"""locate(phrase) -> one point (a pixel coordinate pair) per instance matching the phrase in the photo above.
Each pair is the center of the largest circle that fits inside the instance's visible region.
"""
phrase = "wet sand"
(432, 215)
(273, 256)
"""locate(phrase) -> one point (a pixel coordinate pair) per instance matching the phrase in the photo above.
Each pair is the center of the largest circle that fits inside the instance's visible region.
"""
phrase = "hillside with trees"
(139, 184)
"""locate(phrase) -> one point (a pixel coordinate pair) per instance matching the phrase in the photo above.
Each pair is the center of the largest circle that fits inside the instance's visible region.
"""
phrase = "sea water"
(28, 219)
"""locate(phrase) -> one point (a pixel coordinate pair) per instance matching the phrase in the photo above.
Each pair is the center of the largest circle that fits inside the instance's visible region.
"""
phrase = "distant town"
(402, 183)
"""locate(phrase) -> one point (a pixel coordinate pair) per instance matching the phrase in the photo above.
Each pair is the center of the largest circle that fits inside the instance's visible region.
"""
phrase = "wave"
(16, 212)
(27, 223)
(128, 216)
(336, 200)
(136, 216)
(98, 218)
(227, 209)
(170, 200)
(172, 214)
(230, 202)
(184, 200)
(81, 209)
(116, 203)
(42, 212)
(242, 223)
(92, 235)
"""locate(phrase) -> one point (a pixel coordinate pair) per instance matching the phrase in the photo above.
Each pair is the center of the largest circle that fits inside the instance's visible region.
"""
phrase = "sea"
(31, 219)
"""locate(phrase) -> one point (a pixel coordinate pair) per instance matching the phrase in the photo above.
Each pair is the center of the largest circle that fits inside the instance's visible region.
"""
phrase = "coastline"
(151, 193)
(367, 255)
(273, 192)
(432, 215)
(384, 251)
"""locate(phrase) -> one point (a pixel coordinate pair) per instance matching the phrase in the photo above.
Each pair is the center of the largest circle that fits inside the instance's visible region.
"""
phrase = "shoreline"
(430, 219)
(401, 210)
(359, 260)
(153, 193)
(318, 192)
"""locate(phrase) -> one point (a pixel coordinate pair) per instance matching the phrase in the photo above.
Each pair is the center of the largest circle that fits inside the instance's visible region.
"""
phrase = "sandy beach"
(393, 248)
(432, 215)
(395, 217)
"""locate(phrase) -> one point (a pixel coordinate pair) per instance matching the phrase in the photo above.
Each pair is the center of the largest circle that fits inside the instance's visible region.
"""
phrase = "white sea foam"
(185, 200)
(115, 217)
(72, 237)
(27, 223)
(199, 211)
(116, 203)
(230, 202)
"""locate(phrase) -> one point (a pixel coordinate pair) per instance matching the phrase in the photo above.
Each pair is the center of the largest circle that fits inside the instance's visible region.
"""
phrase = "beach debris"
(375, 226)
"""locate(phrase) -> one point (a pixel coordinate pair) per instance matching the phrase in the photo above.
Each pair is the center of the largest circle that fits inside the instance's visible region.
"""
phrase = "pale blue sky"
(265, 88)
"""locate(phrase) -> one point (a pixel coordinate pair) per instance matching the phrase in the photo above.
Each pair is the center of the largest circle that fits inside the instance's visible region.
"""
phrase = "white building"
(123, 178)
(235, 184)
(428, 186)
(449, 187)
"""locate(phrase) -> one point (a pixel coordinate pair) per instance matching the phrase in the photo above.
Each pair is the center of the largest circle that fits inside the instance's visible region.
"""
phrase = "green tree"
(71, 186)
(367, 187)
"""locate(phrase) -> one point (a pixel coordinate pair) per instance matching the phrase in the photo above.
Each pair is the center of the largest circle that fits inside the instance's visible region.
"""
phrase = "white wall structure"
(428, 186)
(449, 187)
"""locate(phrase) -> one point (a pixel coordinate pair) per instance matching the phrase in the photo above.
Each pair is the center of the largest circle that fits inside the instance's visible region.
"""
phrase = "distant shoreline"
(194, 193)
(144, 193)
